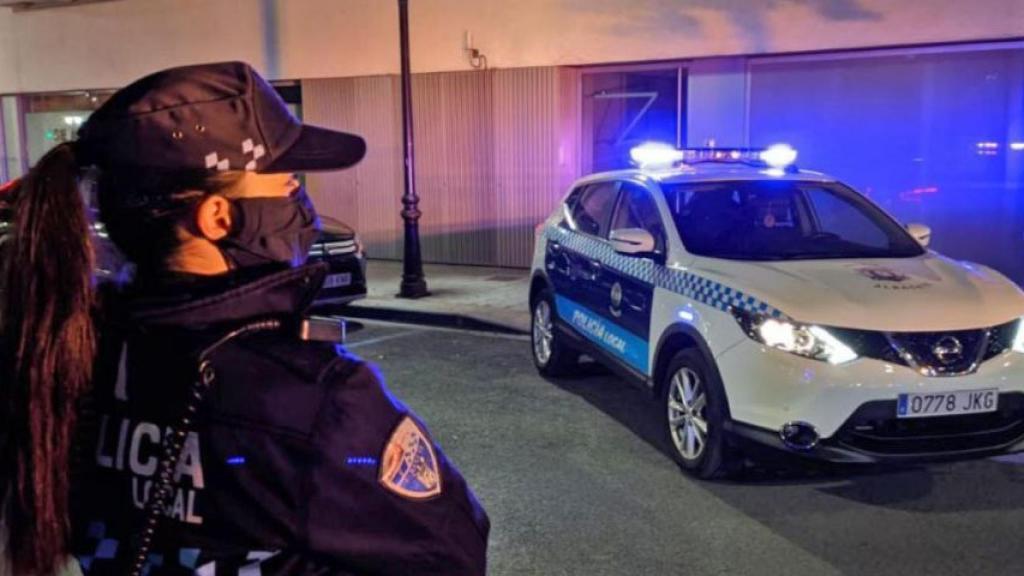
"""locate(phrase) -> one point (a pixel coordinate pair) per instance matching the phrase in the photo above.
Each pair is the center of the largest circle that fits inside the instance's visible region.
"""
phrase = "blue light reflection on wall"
(932, 138)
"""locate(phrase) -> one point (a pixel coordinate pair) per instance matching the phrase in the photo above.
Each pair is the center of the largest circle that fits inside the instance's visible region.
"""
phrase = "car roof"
(707, 172)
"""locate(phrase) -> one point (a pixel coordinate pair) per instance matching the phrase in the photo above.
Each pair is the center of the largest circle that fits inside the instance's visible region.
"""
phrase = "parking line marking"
(427, 328)
(381, 339)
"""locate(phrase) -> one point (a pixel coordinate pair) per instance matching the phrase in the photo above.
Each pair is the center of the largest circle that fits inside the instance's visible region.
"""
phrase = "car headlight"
(1018, 339)
(800, 339)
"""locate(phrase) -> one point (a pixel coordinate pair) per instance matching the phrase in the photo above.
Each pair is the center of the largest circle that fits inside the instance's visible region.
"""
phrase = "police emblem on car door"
(616, 297)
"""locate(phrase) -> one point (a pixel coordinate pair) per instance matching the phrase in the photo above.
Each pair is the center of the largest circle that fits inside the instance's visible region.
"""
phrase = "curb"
(437, 319)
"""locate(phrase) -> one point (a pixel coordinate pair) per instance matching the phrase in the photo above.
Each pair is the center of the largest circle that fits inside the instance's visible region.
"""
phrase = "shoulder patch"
(408, 466)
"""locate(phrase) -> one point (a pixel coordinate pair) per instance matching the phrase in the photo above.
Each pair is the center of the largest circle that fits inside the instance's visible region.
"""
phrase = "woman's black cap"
(221, 116)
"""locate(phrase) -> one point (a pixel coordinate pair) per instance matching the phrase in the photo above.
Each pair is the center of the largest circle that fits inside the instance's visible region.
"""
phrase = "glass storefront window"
(54, 118)
(34, 123)
(12, 164)
(624, 108)
(933, 137)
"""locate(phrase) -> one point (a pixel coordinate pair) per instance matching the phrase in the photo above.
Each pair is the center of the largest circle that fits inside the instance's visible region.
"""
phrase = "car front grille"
(338, 248)
(875, 428)
(942, 353)
(951, 353)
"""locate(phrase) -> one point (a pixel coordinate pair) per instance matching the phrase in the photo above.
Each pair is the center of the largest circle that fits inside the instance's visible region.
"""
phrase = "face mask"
(271, 230)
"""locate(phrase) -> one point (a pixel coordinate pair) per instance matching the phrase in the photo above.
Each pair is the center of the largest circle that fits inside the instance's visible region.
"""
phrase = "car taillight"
(9, 187)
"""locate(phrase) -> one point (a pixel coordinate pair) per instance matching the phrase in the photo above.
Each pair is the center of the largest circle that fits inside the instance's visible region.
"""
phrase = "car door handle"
(634, 304)
(556, 258)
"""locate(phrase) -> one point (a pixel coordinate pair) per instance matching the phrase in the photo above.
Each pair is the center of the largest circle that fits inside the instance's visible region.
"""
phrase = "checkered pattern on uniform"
(107, 550)
(701, 289)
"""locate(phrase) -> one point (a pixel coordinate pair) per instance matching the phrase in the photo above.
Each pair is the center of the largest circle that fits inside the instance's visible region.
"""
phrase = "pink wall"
(109, 44)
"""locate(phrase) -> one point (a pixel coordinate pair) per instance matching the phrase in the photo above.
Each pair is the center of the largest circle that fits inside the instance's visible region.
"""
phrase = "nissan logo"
(948, 350)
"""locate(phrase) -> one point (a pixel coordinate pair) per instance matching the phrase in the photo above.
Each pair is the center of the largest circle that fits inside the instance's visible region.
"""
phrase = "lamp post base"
(413, 288)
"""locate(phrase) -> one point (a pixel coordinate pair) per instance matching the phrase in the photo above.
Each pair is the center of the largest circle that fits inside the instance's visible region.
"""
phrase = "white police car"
(770, 306)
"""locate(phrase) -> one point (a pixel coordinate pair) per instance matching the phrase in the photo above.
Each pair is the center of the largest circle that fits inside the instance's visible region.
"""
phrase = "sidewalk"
(471, 297)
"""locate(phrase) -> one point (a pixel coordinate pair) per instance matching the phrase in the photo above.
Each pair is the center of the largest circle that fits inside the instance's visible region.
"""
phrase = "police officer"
(218, 430)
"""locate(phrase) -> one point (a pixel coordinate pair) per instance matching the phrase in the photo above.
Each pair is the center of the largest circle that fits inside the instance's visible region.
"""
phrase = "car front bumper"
(351, 267)
(852, 407)
(764, 442)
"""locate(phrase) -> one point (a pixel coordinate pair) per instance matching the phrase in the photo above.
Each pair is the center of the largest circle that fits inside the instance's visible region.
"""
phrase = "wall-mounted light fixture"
(476, 57)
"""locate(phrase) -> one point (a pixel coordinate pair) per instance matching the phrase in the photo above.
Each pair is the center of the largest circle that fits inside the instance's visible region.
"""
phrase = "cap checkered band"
(214, 161)
(257, 151)
(249, 148)
(700, 288)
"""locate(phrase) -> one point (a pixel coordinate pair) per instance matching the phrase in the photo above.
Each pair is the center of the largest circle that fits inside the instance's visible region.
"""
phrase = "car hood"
(924, 293)
(335, 231)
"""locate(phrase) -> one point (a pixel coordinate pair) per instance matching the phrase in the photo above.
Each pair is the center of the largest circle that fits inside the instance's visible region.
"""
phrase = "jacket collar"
(199, 303)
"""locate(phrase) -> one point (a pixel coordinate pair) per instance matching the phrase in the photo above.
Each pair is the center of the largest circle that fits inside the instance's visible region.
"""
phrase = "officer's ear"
(213, 217)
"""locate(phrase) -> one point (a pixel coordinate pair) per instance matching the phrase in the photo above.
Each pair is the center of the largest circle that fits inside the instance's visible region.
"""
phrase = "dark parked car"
(338, 246)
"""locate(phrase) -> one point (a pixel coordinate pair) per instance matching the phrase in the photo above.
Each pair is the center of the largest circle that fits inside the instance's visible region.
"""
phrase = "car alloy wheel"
(543, 333)
(552, 355)
(687, 414)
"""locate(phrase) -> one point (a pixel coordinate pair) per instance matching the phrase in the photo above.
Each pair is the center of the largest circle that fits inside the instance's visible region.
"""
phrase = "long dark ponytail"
(47, 344)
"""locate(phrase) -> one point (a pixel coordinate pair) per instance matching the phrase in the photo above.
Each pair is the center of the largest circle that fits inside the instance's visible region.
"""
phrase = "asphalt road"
(576, 481)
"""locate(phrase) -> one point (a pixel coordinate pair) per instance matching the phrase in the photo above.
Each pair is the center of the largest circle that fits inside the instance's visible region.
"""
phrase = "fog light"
(799, 435)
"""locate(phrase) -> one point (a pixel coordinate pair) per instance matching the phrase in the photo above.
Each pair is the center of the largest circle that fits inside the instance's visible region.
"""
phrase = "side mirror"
(921, 233)
(632, 241)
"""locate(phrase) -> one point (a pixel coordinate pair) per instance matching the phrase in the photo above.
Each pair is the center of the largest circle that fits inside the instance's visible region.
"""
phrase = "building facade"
(920, 105)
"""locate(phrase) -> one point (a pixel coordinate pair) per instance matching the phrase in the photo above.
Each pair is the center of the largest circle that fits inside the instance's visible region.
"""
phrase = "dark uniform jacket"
(299, 460)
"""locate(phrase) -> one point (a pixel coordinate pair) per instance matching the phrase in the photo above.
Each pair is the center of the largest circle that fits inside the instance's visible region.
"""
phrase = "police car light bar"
(655, 154)
(650, 154)
(779, 155)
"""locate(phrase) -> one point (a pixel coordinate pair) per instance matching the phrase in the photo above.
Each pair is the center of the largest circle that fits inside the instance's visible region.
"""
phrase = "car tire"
(552, 355)
(694, 411)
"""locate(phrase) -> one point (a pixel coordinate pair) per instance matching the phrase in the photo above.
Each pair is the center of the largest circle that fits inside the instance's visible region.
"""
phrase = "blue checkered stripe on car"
(688, 284)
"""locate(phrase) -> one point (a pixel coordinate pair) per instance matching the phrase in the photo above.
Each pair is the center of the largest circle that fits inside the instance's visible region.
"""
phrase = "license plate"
(947, 403)
(338, 280)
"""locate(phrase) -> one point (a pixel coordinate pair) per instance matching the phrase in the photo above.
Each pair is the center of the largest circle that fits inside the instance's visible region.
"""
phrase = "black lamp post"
(414, 285)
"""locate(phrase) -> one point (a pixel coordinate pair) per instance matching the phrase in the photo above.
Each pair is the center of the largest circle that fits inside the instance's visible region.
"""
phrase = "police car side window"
(569, 206)
(637, 209)
(593, 209)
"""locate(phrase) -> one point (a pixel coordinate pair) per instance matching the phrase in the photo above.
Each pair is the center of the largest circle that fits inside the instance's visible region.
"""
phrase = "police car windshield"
(783, 220)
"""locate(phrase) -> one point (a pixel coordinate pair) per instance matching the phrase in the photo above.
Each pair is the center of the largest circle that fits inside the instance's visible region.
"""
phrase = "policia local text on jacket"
(299, 460)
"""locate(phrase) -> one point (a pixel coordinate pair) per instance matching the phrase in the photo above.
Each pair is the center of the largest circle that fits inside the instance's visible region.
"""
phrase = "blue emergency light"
(779, 155)
(657, 154)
